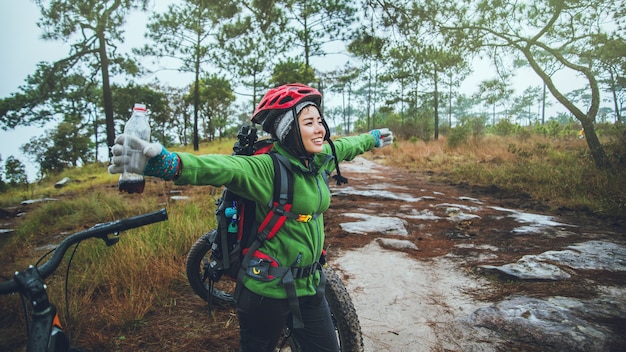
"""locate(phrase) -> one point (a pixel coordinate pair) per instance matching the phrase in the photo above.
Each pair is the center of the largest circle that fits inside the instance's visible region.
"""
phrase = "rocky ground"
(441, 268)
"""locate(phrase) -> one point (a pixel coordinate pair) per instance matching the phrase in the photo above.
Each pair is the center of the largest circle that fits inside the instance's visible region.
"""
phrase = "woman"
(290, 113)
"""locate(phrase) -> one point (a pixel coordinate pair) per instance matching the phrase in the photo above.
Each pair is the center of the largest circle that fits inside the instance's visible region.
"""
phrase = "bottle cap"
(140, 107)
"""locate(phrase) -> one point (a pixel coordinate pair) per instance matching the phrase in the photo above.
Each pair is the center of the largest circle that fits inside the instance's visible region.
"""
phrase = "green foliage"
(161, 108)
(60, 148)
(251, 44)
(15, 172)
(613, 132)
(556, 35)
(504, 127)
(249, 38)
(365, 45)
(3, 185)
(477, 126)
(216, 96)
(29, 105)
(552, 129)
(524, 134)
(459, 135)
(126, 96)
(292, 71)
(473, 127)
(314, 23)
(188, 32)
(616, 150)
(421, 125)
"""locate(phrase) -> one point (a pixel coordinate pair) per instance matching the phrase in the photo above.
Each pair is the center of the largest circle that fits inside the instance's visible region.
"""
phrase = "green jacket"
(252, 177)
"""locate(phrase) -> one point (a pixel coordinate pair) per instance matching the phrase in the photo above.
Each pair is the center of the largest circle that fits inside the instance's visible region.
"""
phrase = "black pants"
(262, 320)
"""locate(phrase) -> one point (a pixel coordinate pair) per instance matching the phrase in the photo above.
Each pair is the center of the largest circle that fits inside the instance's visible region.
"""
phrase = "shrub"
(504, 127)
(458, 135)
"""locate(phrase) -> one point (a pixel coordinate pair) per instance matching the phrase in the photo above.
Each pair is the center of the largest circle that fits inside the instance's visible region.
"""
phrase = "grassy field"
(557, 173)
(114, 288)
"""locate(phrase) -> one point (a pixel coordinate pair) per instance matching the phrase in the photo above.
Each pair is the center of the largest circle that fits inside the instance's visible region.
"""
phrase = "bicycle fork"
(46, 332)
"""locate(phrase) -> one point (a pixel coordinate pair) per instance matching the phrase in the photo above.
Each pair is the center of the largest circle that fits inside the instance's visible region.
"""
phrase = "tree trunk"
(196, 102)
(436, 103)
(613, 91)
(107, 96)
(349, 110)
(587, 120)
(543, 106)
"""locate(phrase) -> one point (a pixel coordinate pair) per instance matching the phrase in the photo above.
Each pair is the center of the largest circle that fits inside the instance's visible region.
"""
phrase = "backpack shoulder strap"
(280, 206)
(282, 200)
(283, 180)
(284, 189)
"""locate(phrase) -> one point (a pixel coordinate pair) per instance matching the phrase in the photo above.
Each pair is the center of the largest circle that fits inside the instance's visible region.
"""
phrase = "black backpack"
(237, 231)
(239, 236)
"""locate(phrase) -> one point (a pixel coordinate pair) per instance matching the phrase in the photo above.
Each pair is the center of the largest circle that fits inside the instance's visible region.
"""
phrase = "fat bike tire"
(344, 314)
(196, 266)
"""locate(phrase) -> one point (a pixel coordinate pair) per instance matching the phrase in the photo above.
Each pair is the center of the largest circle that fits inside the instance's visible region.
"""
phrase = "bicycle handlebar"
(98, 230)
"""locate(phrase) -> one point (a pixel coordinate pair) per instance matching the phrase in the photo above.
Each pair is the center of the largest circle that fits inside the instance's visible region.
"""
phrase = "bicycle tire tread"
(350, 335)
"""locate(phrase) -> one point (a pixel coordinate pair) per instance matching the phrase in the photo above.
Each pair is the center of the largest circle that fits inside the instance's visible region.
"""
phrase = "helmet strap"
(340, 179)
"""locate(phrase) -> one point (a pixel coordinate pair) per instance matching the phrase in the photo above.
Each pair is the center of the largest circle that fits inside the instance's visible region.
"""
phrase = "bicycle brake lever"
(110, 240)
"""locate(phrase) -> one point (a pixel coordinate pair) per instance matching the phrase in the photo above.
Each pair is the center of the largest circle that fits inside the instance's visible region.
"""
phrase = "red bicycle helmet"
(277, 100)
(280, 99)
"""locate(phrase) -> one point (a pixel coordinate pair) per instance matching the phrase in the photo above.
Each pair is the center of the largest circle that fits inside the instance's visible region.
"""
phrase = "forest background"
(403, 65)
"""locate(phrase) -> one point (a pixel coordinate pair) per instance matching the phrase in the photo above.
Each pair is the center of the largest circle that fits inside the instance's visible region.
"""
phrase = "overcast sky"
(22, 49)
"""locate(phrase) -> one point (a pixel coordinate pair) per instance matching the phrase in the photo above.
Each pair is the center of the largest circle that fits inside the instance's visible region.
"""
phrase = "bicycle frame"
(45, 325)
(46, 332)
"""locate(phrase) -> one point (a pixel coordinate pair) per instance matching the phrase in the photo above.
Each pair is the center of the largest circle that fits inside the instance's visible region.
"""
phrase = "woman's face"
(311, 129)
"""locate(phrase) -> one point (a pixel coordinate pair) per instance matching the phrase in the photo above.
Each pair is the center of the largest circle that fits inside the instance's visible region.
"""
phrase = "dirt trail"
(409, 249)
(419, 306)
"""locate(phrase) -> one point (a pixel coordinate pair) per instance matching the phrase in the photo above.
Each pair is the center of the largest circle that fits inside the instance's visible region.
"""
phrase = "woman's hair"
(287, 130)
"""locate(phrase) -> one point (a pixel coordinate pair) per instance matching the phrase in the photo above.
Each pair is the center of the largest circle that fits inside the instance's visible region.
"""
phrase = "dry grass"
(111, 289)
(555, 172)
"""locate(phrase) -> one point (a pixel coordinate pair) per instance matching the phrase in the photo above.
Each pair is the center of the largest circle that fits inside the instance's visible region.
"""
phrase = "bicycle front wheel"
(197, 269)
(344, 314)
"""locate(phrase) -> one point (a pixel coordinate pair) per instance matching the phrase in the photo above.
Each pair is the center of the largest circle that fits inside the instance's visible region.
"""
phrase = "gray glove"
(382, 137)
(141, 157)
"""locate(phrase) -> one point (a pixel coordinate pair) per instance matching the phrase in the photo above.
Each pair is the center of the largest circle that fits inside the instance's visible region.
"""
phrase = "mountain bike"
(217, 290)
(45, 332)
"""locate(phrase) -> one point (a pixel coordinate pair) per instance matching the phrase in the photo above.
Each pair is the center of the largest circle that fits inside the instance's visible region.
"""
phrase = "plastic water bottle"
(137, 126)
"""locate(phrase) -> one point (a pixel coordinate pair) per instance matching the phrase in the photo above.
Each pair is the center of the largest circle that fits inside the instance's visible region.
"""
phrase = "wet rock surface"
(432, 268)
